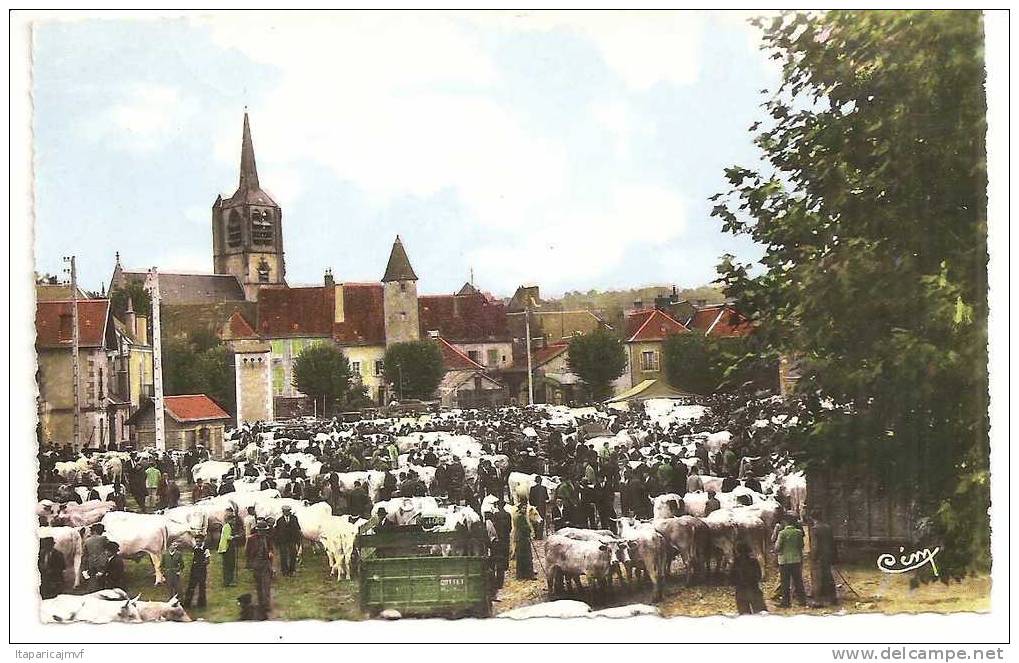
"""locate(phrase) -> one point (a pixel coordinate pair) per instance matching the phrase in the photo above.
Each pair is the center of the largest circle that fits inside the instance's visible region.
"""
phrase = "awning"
(650, 389)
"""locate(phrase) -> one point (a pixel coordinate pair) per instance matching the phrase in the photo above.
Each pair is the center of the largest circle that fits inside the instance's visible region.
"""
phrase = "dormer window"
(261, 228)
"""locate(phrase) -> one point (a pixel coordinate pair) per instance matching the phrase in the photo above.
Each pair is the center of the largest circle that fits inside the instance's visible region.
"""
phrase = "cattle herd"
(617, 495)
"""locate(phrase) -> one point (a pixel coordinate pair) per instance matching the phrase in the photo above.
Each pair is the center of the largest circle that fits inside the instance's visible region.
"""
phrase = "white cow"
(67, 541)
(406, 510)
(140, 534)
(339, 537)
(211, 470)
(374, 478)
(102, 607)
(103, 491)
(632, 610)
(73, 514)
(793, 487)
(520, 484)
(162, 611)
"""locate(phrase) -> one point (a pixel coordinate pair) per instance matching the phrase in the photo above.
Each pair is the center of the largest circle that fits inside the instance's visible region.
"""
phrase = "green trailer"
(403, 569)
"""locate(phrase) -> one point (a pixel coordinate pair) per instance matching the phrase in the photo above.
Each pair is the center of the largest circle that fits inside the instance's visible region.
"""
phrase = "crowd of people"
(591, 467)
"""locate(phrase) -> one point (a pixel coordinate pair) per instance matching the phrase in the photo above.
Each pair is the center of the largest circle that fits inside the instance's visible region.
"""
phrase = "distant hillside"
(611, 304)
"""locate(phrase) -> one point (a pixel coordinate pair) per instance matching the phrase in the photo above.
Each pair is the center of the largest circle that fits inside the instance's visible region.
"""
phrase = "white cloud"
(146, 117)
(643, 48)
(408, 104)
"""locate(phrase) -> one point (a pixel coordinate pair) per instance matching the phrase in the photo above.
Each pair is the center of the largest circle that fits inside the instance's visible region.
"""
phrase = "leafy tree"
(322, 372)
(871, 209)
(191, 368)
(690, 363)
(135, 289)
(415, 368)
(597, 358)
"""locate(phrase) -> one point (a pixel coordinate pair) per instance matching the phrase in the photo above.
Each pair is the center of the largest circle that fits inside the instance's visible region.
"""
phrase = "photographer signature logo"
(889, 563)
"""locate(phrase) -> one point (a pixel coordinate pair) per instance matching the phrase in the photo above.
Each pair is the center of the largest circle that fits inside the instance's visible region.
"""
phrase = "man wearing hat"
(258, 557)
(287, 534)
(229, 539)
(199, 572)
(712, 504)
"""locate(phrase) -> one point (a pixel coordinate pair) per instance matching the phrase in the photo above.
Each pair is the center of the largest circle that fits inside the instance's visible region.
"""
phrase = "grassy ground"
(309, 594)
(313, 594)
(878, 593)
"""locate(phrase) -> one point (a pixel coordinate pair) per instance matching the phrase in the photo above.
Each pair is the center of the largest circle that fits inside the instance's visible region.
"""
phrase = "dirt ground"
(864, 590)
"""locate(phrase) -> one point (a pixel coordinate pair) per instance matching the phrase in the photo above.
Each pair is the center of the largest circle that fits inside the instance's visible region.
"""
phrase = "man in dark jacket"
(823, 556)
(258, 554)
(51, 568)
(95, 558)
(287, 534)
(199, 572)
(746, 578)
(538, 496)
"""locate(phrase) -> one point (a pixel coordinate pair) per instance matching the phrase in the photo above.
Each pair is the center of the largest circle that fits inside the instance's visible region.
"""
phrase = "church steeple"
(247, 230)
(249, 172)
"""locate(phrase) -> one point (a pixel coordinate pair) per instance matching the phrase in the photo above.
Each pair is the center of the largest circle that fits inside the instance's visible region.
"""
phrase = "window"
(474, 356)
(649, 360)
(493, 357)
(233, 229)
(403, 286)
(378, 367)
(263, 271)
(355, 368)
(261, 227)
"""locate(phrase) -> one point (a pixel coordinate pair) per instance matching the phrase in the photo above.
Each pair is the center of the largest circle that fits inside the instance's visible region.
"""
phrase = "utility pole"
(75, 340)
(152, 285)
(530, 370)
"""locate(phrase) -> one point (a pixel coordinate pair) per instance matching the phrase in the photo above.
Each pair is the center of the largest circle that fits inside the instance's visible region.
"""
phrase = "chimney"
(141, 329)
(130, 320)
(329, 277)
(433, 334)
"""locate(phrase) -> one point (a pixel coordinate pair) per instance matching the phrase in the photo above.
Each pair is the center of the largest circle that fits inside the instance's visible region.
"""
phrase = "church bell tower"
(247, 229)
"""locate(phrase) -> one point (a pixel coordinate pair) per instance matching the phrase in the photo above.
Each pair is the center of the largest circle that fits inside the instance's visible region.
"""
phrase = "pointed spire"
(118, 257)
(249, 173)
(399, 268)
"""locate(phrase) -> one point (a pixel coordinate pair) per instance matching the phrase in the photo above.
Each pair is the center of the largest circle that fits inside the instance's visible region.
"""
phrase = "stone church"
(248, 304)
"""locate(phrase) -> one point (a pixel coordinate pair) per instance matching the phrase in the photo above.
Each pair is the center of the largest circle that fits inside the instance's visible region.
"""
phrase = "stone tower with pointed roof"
(247, 229)
(400, 297)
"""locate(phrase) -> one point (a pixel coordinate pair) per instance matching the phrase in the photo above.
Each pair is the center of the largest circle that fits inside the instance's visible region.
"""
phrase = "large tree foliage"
(193, 366)
(872, 213)
(414, 368)
(708, 364)
(323, 373)
(597, 358)
(135, 290)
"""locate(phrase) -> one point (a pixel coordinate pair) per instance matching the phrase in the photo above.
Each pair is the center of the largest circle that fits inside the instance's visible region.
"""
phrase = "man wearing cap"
(152, 480)
(229, 539)
(258, 557)
(287, 535)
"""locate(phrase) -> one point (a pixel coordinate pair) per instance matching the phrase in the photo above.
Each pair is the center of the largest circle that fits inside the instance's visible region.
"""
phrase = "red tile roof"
(364, 321)
(454, 360)
(720, 320)
(52, 332)
(238, 327)
(194, 407)
(295, 311)
(470, 318)
(652, 325)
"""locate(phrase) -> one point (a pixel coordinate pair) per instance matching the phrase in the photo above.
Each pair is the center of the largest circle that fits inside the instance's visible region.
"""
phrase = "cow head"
(130, 612)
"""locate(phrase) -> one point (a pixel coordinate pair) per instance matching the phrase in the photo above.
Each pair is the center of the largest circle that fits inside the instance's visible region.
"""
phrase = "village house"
(646, 333)
(188, 420)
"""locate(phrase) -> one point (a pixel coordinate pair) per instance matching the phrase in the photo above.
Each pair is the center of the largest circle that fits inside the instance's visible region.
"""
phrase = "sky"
(571, 150)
